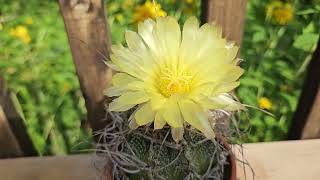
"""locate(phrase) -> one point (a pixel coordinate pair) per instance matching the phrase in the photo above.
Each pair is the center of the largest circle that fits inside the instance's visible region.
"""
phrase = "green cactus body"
(168, 163)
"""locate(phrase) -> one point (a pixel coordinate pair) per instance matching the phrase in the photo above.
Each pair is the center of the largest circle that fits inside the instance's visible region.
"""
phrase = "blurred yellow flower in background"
(120, 18)
(1, 26)
(128, 4)
(284, 15)
(22, 33)
(11, 70)
(265, 103)
(29, 21)
(279, 11)
(113, 7)
(66, 87)
(148, 10)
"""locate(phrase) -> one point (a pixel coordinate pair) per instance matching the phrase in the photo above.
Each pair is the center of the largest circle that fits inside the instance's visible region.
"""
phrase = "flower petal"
(134, 41)
(196, 117)
(122, 79)
(172, 113)
(177, 134)
(225, 101)
(157, 101)
(189, 35)
(128, 100)
(159, 121)
(145, 30)
(144, 114)
(168, 36)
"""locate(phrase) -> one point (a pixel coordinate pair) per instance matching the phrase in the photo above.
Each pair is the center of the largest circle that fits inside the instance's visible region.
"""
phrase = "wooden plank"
(306, 120)
(14, 139)
(90, 42)
(49, 168)
(229, 14)
(294, 160)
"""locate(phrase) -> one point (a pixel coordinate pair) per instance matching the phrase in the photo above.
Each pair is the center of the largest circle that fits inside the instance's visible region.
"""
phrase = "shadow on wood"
(14, 139)
(306, 120)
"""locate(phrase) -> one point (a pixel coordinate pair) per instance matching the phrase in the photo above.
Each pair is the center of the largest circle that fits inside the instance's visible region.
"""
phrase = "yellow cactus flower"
(281, 12)
(148, 10)
(174, 77)
(22, 33)
(29, 21)
(265, 103)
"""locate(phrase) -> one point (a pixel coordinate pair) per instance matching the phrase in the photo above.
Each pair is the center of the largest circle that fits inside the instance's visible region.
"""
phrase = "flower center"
(173, 82)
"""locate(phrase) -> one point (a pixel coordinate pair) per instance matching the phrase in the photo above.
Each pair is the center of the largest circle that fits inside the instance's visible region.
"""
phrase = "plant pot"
(230, 170)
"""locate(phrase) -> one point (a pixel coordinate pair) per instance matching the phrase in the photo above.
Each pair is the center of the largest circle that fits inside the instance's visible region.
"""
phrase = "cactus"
(150, 154)
(170, 163)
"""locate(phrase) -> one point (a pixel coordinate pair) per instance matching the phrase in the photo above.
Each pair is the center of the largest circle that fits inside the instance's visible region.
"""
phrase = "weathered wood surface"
(229, 14)
(14, 139)
(306, 120)
(288, 160)
(90, 42)
(291, 160)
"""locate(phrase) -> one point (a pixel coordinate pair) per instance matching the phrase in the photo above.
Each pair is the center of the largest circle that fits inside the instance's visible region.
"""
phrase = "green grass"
(42, 77)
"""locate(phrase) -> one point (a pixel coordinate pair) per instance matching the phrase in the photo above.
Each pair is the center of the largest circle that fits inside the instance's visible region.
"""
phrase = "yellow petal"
(132, 122)
(172, 114)
(144, 114)
(157, 101)
(134, 41)
(168, 36)
(189, 35)
(130, 62)
(225, 87)
(114, 91)
(232, 53)
(177, 134)
(196, 117)
(233, 74)
(115, 106)
(227, 102)
(159, 121)
(128, 100)
(145, 30)
(122, 79)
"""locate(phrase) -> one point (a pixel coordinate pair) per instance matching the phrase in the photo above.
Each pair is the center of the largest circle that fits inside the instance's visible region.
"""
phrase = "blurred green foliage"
(41, 75)
(275, 58)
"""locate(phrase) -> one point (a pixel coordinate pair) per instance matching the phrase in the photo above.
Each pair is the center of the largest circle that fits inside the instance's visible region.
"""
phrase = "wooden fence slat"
(287, 160)
(229, 14)
(306, 120)
(89, 40)
(14, 139)
(294, 160)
